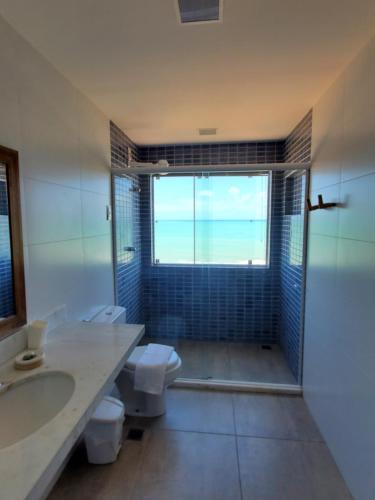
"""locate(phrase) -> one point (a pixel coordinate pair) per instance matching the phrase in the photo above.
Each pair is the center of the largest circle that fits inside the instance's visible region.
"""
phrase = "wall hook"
(320, 204)
(310, 206)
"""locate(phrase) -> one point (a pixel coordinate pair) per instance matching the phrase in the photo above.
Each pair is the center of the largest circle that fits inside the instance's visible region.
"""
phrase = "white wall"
(339, 359)
(63, 141)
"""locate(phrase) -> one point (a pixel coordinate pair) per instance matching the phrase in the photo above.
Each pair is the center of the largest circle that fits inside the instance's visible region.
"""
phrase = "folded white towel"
(151, 367)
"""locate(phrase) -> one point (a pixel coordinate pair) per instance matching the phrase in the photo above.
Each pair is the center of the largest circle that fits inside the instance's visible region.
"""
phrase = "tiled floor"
(214, 446)
(230, 361)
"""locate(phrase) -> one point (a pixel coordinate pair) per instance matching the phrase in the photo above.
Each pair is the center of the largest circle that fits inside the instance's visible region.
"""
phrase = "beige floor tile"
(193, 357)
(230, 361)
(276, 366)
(204, 360)
(251, 363)
(288, 470)
(83, 481)
(198, 460)
(187, 466)
(246, 363)
(285, 417)
(193, 410)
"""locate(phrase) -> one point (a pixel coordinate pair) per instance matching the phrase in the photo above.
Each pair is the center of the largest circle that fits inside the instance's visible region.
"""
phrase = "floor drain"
(267, 347)
(135, 434)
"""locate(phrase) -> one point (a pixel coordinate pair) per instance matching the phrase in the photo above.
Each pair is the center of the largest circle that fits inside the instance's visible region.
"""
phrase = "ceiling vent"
(207, 131)
(199, 11)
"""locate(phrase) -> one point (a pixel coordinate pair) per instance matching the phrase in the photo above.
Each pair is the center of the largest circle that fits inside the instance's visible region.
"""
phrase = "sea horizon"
(210, 241)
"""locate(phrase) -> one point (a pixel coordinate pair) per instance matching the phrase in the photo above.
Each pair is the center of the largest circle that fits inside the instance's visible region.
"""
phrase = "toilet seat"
(173, 362)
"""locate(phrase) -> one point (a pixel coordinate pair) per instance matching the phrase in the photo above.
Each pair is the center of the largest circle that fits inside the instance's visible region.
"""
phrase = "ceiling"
(252, 77)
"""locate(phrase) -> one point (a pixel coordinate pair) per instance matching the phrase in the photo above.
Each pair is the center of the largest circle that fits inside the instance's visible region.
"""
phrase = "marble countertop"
(94, 355)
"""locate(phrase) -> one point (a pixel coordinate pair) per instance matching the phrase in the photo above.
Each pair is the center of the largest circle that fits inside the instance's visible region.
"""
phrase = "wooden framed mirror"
(12, 279)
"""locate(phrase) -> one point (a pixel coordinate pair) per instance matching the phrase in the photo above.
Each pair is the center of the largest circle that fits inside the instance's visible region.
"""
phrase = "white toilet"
(137, 403)
(140, 403)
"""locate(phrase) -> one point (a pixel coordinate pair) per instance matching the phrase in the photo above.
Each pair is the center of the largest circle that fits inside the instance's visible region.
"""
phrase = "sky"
(216, 197)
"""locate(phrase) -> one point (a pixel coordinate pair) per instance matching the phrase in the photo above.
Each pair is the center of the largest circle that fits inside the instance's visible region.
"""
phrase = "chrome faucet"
(4, 385)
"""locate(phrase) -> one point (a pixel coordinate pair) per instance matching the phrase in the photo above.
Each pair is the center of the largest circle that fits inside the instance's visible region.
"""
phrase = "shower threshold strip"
(238, 386)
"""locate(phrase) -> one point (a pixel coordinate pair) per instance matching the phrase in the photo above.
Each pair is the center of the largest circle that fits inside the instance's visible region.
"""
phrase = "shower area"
(211, 256)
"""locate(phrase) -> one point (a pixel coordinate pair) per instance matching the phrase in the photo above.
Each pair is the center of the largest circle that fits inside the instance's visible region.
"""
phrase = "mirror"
(12, 282)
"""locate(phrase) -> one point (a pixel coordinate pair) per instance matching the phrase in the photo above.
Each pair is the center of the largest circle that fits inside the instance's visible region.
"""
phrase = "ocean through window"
(215, 219)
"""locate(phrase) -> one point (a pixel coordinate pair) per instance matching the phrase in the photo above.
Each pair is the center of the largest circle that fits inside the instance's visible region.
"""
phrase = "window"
(211, 219)
(12, 281)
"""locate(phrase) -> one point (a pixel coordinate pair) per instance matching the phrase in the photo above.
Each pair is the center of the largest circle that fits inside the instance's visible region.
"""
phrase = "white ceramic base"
(141, 404)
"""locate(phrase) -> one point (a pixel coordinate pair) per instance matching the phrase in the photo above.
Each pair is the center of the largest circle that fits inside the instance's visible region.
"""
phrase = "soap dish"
(27, 360)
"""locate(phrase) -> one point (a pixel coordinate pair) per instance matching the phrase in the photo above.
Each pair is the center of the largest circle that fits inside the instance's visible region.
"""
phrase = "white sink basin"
(30, 403)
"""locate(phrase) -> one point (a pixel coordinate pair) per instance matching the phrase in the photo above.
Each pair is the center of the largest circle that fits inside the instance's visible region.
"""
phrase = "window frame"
(11, 324)
(249, 173)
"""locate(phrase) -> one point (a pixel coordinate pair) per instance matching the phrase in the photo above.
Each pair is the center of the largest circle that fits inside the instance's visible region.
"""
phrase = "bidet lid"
(130, 364)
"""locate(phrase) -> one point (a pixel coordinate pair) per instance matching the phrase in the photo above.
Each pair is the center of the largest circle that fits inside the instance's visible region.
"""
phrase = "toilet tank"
(110, 314)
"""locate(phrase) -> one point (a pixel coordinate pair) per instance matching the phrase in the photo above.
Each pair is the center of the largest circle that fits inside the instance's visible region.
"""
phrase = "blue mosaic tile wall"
(297, 149)
(6, 273)
(218, 303)
(212, 303)
(217, 153)
(126, 219)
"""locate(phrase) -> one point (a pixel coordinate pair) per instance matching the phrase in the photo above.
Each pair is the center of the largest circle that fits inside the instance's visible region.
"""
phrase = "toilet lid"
(137, 353)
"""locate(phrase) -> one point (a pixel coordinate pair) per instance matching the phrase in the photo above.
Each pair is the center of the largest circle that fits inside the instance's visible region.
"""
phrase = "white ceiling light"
(207, 131)
(199, 11)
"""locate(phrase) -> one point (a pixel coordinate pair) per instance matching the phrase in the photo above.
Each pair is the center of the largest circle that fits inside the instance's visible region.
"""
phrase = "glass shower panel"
(174, 220)
(124, 205)
(227, 320)
(231, 213)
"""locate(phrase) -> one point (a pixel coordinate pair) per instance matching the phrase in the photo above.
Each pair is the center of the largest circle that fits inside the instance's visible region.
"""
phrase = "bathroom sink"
(27, 405)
